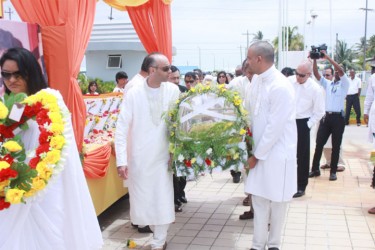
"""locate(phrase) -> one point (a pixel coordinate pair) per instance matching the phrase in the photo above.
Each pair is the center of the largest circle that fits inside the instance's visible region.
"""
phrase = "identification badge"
(16, 112)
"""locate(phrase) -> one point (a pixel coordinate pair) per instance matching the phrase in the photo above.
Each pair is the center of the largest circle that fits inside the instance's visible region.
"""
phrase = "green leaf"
(25, 175)
(24, 126)
(11, 99)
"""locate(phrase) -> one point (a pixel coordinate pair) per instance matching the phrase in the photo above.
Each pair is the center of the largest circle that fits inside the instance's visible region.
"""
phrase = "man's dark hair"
(191, 74)
(199, 72)
(287, 71)
(121, 75)
(330, 68)
(174, 69)
(149, 61)
(28, 67)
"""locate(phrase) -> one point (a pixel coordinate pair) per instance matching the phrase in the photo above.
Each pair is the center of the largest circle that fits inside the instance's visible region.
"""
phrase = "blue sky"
(216, 27)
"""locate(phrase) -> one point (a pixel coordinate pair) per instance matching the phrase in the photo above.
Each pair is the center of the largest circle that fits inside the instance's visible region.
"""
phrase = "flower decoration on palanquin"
(207, 129)
(23, 174)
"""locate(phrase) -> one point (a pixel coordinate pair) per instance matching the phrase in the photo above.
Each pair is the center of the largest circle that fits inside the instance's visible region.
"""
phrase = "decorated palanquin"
(98, 150)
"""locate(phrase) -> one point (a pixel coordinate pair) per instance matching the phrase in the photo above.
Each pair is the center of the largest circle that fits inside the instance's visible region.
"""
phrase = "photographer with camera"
(333, 123)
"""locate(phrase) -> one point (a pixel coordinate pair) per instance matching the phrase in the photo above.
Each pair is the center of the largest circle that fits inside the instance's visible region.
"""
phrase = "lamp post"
(313, 17)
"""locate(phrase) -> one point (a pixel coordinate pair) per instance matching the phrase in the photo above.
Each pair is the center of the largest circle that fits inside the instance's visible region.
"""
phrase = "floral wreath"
(209, 147)
(20, 179)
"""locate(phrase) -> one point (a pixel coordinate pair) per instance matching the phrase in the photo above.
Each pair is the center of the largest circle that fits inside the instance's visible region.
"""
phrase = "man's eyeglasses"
(8, 75)
(222, 76)
(301, 75)
(327, 75)
(165, 68)
(191, 81)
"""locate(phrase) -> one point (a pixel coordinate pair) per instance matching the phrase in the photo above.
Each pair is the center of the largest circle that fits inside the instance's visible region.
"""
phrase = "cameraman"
(333, 123)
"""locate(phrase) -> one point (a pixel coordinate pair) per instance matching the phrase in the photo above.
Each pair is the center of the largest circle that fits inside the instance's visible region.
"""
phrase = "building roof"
(114, 36)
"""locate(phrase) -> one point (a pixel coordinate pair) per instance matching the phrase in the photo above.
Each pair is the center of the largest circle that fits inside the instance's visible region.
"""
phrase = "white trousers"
(160, 235)
(267, 211)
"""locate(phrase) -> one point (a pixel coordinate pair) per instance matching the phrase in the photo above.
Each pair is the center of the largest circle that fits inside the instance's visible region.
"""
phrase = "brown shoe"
(248, 215)
(340, 168)
(246, 201)
(325, 166)
(371, 211)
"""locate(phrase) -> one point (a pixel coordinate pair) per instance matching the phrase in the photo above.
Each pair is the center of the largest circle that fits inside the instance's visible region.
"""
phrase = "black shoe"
(177, 208)
(134, 226)
(332, 177)
(236, 176)
(314, 173)
(273, 248)
(299, 194)
(145, 229)
(183, 199)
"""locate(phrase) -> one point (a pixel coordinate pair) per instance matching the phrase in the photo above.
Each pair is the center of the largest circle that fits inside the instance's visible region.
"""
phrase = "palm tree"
(258, 36)
(371, 46)
(295, 40)
(344, 56)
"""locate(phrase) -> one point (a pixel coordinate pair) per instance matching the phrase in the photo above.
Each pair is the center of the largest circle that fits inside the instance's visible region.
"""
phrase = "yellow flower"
(242, 131)
(171, 148)
(4, 184)
(38, 183)
(177, 101)
(12, 146)
(55, 117)
(131, 244)
(4, 165)
(57, 142)
(236, 155)
(53, 107)
(193, 160)
(172, 133)
(237, 101)
(14, 196)
(192, 90)
(47, 98)
(3, 111)
(52, 156)
(43, 170)
(57, 128)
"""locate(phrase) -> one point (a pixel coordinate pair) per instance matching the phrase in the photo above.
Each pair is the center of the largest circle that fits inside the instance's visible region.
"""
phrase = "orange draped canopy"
(66, 27)
(152, 22)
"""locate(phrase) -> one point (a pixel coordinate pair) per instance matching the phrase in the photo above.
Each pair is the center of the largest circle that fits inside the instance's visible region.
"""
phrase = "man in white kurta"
(142, 149)
(369, 113)
(272, 179)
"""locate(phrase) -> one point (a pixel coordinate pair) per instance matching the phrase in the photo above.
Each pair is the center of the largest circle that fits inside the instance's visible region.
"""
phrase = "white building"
(113, 47)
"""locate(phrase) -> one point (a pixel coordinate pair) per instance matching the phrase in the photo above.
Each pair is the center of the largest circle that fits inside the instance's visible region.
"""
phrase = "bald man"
(142, 149)
(272, 178)
(309, 111)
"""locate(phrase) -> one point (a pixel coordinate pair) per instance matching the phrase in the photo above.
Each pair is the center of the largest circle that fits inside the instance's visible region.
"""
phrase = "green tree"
(344, 55)
(258, 36)
(295, 40)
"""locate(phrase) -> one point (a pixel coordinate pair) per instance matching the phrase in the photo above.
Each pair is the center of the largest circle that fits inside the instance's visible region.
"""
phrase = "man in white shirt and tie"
(309, 111)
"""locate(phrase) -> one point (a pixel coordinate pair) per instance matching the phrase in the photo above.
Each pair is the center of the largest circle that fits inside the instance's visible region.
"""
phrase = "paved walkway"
(332, 215)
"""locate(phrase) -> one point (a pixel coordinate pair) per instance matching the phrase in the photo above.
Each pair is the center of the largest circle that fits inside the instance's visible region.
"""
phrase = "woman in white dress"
(61, 216)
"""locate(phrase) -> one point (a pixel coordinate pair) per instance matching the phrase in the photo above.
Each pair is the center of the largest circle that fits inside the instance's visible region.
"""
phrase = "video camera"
(315, 51)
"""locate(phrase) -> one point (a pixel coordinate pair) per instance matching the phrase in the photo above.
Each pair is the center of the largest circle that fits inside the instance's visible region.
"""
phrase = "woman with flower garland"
(60, 215)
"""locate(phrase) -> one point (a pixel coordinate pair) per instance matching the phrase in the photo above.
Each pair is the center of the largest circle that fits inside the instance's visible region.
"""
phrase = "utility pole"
(241, 52)
(10, 12)
(365, 45)
(247, 38)
(110, 16)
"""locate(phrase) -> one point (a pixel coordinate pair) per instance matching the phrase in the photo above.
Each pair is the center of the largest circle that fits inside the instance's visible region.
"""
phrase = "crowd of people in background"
(284, 107)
